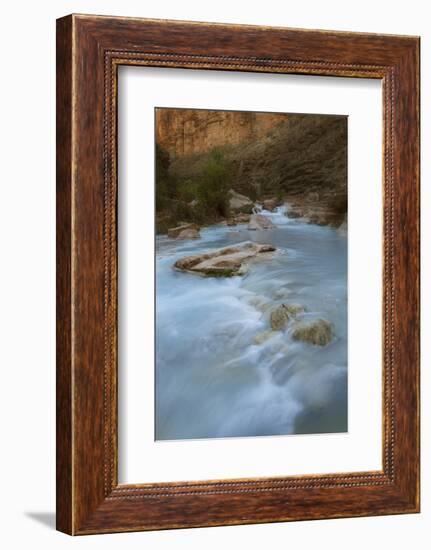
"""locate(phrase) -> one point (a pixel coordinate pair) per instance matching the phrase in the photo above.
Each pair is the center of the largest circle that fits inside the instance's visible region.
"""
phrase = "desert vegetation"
(201, 199)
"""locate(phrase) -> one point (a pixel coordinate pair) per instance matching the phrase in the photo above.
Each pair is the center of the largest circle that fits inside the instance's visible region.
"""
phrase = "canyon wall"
(193, 131)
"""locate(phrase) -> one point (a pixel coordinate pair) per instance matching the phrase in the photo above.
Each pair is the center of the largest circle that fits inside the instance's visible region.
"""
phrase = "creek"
(213, 377)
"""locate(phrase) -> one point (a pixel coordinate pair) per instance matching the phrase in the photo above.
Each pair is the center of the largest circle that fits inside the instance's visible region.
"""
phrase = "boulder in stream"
(318, 332)
(282, 314)
(270, 204)
(258, 222)
(239, 203)
(189, 234)
(184, 231)
(223, 262)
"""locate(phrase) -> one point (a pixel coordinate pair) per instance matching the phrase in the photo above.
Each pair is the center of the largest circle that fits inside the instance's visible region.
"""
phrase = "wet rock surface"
(259, 222)
(318, 332)
(270, 204)
(239, 203)
(184, 231)
(282, 314)
(223, 262)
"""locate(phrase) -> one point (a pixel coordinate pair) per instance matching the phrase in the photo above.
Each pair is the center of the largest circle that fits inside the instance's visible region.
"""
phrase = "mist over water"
(212, 379)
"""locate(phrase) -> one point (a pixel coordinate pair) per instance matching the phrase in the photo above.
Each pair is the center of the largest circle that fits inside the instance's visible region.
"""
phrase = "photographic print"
(251, 274)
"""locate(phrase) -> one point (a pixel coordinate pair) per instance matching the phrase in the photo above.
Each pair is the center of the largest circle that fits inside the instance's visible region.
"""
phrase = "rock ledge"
(223, 262)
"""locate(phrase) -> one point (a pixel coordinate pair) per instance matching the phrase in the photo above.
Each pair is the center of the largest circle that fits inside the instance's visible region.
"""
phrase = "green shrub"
(188, 190)
(209, 189)
(214, 184)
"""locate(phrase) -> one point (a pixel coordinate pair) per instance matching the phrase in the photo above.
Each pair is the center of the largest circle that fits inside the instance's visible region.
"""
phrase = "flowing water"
(212, 378)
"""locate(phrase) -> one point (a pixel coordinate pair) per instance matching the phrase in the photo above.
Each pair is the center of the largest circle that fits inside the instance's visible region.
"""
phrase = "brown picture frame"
(89, 51)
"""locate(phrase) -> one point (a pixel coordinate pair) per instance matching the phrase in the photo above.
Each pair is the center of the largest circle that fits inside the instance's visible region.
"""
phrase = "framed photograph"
(237, 274)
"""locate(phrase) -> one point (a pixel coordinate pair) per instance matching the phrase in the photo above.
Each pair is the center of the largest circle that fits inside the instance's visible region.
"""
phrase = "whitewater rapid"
(212, 378)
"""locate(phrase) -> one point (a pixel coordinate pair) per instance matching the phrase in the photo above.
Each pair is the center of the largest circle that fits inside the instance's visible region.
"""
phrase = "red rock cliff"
(190, 131)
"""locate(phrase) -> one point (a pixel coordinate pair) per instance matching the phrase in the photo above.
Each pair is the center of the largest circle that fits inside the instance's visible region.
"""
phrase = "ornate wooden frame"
(89, 51)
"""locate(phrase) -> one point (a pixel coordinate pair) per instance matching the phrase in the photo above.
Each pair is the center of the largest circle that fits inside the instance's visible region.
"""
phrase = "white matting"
(141, 459)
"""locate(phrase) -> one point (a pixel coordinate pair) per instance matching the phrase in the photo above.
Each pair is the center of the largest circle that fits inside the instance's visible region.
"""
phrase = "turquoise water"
(212, 379)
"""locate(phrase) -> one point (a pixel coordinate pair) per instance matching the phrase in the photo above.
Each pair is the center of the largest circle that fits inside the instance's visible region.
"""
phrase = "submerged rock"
(282, 314)
(258, 222)
(281, 293)
(318, 333)
(223, 262)
(262, 337)
(260, 303)
(175, 232)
